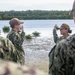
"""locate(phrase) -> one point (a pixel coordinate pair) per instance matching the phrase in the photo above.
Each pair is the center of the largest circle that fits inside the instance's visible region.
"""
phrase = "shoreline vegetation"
(35, 14)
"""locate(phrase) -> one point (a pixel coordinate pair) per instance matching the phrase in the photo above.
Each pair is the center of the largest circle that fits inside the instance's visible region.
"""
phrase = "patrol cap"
(65, 26)
(15, 21)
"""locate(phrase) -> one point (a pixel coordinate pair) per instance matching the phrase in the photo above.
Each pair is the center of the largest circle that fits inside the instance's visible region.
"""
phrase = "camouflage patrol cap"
(65, 26)
(15, 21)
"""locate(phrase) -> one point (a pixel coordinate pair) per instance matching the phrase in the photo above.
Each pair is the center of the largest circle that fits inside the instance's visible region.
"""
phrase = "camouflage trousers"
(21, 57)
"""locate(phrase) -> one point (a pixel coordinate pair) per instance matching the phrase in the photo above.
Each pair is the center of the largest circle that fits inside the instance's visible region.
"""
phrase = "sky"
(23, 5)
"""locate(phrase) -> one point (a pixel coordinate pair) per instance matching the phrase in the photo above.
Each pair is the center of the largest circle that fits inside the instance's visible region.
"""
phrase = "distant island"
(35, 14)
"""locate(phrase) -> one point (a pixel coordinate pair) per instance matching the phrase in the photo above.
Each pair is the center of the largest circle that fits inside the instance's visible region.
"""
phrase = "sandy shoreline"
(36, 52)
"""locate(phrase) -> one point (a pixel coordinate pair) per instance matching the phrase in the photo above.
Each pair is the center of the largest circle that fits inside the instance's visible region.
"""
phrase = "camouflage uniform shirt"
(7, 50)
(51, 53)
(17, 39)
(64, 57)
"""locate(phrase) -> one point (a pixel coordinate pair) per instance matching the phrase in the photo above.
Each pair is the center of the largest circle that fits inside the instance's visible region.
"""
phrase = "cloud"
(35, 4)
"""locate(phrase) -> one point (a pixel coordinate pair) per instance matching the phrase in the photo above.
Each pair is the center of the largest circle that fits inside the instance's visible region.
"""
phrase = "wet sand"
(36, 52)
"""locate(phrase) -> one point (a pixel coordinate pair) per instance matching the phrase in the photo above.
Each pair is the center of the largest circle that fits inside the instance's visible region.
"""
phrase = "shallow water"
(36, 52)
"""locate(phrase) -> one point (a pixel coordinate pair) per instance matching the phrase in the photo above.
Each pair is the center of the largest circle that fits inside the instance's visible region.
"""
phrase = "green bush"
(28, 36)
(36, 34)
(6, 29)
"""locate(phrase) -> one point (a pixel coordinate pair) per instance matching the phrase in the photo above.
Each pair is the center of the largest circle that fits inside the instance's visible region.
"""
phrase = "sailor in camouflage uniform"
(64, 30)
(7, 50)
(64, 55)
(17, 38)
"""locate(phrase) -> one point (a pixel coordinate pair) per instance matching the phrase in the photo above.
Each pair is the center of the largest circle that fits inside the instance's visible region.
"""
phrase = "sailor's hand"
(22, 28)
(55, 27)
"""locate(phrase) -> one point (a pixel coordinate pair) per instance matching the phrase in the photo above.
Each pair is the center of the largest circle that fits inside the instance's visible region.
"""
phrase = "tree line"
(35, 14)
